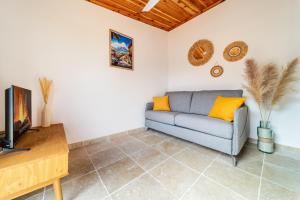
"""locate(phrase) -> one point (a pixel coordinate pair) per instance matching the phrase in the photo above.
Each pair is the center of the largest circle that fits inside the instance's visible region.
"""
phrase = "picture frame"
(121, 54)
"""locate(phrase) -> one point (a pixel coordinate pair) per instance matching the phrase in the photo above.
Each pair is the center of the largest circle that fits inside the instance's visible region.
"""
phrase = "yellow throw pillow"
(161, 103)
(224, 107)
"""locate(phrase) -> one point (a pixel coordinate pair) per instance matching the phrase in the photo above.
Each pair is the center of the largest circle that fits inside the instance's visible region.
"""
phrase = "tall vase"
(46, 119)
(265, 135)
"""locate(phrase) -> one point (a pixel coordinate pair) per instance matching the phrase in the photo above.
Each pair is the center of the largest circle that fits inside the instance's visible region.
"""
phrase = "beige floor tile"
(282, 176)
(181, 141)
(235, 179)
(148, 157)
(294, 154)
(35, 195)
(101, 145)
(86, 187)
(206, 189)
(203, 150)
(176, 177)
(270, 191)
(169, 147)
(249, 159)
(121, 138)
(120, 173)
(107, 157)
(144, 187)
(79, 167)
(151, 139)
(79, 164)
(283, 161)
(195, 159)
(133, 146)
(252, 166)
(163, 136)
(77, 153)
(139, 135)
(250, 154)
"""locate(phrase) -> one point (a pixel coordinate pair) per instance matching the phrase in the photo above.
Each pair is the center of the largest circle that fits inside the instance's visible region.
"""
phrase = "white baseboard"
(95, 140)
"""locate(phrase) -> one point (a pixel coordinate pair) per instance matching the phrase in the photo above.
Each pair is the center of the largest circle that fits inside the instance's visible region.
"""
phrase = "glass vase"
(265, 136)
(46, 116)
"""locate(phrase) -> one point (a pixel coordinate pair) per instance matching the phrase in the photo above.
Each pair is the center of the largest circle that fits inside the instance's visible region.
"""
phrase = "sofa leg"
(234, 160)
(146, 128)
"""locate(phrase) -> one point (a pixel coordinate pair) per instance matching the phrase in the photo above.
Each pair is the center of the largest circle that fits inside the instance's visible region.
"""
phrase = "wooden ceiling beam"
(184, 7)
(159, 12)
(191, 5)
(212, 5)
(136, 8)
(170, 7)
(204, 10)
(199, 3)
(160, 15)
(129, 14)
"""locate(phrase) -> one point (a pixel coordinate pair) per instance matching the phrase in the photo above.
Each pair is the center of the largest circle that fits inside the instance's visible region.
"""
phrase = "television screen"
(18, 113)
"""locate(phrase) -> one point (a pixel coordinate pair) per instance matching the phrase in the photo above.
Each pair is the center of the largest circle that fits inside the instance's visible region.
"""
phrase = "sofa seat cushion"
(205, 124)
(161, 116)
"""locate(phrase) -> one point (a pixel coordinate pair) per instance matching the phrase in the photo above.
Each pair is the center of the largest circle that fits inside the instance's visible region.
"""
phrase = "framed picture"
(121, 50)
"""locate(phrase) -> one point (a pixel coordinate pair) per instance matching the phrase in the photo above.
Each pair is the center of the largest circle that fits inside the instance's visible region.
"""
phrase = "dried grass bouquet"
(268, 84)
(45, 88)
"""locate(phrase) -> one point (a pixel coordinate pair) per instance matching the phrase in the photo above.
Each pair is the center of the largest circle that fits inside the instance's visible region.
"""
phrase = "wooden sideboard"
(45, 164)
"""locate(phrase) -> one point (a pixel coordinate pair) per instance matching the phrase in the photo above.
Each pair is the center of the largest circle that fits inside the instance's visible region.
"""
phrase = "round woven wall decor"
(200, 52)
(235, 51)
(216, 71)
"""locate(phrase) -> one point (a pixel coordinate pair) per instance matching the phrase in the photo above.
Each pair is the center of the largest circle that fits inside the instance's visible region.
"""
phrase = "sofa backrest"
(180, 101)
(202, 101)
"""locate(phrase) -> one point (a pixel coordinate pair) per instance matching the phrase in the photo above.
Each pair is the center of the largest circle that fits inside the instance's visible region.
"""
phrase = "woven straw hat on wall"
(201, 52)
(235, 51)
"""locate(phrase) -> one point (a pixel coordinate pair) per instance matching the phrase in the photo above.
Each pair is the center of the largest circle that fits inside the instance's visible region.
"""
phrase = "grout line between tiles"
(44, 193)
(278, 184)
(216, 182)
(260, 179)
(282, 167)
(98, 175)
(242, 170)
(147, 171)
(116, 191)
(164, 140)
(264, 162)
(134, 178)
(197, 179)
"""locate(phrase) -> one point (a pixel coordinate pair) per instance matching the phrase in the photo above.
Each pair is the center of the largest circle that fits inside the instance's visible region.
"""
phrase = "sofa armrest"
(240, 129)
(149, 106)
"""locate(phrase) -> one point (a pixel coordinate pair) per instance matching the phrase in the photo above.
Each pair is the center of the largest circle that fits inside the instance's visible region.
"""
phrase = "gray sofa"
(188, 120)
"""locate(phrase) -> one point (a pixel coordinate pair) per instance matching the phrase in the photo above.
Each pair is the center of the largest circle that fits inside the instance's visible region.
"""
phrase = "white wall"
(67, 41)
(271, 30)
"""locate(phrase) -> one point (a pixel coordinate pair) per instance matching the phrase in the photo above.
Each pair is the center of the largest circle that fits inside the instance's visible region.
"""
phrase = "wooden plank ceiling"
(166, 14)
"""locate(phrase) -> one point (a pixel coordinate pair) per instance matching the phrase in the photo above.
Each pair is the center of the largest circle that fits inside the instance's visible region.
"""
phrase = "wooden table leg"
(57, 189)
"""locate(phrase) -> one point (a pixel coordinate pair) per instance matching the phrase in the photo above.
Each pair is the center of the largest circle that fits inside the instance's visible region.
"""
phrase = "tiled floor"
(151, 165)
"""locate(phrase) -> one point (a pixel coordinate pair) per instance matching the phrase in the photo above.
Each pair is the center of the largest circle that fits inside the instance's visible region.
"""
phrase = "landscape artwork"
(121, 50)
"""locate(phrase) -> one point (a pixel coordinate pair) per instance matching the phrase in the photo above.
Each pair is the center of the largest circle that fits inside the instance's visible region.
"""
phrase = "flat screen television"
(17, 114)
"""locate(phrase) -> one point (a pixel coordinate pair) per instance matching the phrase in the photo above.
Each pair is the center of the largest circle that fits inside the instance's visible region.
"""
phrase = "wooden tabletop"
(53, 138)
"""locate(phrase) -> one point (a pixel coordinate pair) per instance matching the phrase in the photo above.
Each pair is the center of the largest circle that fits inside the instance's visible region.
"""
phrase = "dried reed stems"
(267, 85)
(45, 87)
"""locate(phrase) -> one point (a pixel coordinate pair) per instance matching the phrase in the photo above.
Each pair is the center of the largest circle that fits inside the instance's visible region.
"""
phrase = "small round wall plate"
(235, 51)
(216, 71)
(201, 52)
